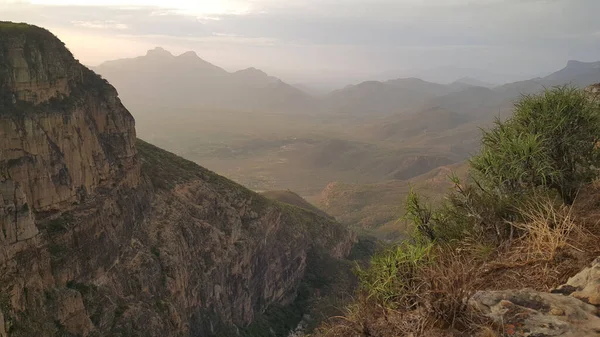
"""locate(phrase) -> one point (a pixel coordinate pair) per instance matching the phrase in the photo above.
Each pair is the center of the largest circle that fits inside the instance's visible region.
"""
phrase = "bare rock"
(531, 313)
(71, 313)
(16, 218)
(585, 285)
(593, 89)
(63, 134)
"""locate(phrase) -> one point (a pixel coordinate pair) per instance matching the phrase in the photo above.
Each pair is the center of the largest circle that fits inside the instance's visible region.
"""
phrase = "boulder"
(585, 285)
(527, 312)
(571, 310)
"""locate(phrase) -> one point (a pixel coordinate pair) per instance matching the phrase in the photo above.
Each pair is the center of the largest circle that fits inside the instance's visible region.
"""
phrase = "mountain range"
(186, 81)
(269, 135)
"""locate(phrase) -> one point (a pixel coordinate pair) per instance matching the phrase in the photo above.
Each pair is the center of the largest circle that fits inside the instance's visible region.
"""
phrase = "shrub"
(467, 211)
(549, 146)
(392, 277)
(512, 162)
(551, 141)
(421, 215)
(472, 211)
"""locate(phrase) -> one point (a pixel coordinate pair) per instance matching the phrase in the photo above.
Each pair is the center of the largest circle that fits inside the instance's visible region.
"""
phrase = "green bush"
(550, 141)
(391, 279)
(420, 214)
(548, 148)
(468, 210)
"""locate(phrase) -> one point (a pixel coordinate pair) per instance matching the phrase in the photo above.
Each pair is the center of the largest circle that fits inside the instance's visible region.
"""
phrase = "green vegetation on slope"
(327, 280)
(165, 169)
(291, 198)
(513, 216)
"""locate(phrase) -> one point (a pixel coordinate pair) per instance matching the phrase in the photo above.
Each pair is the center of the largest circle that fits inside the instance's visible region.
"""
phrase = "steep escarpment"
(64, 131)
(105, 235)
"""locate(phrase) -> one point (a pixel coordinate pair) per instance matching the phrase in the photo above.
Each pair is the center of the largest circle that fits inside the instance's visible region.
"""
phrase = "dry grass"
(488, 332)
(548, 227)
(445, 287)
(437, 307)
(557, 241)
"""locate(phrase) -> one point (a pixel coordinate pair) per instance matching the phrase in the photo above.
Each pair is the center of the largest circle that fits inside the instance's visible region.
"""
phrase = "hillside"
(433, 120)
(379, 208)
(291, 198)
(576, 73)
(512, 250)
(373, 98)
(106, 235)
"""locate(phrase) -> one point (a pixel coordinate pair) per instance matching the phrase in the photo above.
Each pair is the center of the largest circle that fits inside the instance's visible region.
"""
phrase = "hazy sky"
(313, 40)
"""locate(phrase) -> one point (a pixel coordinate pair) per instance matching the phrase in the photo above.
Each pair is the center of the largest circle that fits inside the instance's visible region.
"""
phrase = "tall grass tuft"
(392, 278)
(547, 227)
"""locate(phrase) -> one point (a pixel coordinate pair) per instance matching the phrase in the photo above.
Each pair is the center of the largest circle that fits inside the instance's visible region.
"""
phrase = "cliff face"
(101, 236)
(63, 131)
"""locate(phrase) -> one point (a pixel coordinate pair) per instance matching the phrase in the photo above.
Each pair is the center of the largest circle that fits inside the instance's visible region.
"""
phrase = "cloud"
(356, 22)
(506, 35)
(216, 38)
(97, 24)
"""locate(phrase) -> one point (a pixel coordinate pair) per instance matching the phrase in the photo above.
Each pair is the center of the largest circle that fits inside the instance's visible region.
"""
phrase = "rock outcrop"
(103, 235)
(594, 89)
(585, 285)
(571, 310)
(63, 132)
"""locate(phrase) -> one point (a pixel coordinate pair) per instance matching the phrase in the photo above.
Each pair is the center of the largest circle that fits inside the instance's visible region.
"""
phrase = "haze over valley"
(269, 135)
(303, 94)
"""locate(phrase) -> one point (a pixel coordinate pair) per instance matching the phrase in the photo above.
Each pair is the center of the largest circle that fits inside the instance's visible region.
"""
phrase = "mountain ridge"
(251, 89)
(192, 81)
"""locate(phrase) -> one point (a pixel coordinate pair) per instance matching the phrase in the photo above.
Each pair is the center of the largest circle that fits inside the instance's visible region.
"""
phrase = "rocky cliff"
(106, 236)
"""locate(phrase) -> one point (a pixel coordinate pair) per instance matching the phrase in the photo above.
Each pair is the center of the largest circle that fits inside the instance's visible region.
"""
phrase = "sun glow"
(203, 7)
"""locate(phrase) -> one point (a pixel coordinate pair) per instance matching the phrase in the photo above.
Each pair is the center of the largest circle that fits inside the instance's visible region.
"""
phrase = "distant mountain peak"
(407, 80)
(573, 63)
(575, 73)
(189, 54)
(252, 70)
(159, 51)
(580, 64)
(369, 83)
(193, 81)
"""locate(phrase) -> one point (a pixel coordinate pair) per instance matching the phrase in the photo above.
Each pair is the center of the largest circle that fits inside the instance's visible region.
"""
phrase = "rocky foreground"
(571, 310)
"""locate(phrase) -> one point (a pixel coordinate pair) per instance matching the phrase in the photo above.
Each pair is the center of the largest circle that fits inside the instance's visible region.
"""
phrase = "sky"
(345, 41)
